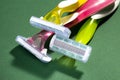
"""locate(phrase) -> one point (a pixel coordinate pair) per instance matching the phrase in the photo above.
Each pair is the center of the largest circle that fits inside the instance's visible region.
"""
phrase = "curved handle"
(87, 31)
(64, 6)
(89, 8)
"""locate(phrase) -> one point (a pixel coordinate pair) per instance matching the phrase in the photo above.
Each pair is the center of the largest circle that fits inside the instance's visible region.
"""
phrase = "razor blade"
(70, 48)
(49, 26)
(41, 55)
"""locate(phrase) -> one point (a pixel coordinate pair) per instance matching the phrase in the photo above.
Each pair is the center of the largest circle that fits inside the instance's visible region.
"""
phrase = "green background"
(16, 63)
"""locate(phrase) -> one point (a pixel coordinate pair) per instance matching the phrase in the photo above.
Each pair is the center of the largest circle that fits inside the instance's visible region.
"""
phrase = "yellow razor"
(55, 15)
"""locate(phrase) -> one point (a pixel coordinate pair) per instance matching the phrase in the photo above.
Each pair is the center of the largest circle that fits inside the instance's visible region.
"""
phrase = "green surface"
(16, 63)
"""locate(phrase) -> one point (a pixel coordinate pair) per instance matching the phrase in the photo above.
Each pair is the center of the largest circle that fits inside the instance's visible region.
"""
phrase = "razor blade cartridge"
(49, 26)
(41, 55)
(70, 48)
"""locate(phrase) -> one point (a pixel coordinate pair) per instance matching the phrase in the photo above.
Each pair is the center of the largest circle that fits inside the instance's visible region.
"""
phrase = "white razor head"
(41, 55)
(49, 26)
(70, 48)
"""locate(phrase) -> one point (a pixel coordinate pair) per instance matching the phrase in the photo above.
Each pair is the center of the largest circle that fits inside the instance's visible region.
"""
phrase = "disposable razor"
(36, 43)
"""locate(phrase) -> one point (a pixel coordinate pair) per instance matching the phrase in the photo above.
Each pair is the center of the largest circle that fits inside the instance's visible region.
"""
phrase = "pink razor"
(88, 9)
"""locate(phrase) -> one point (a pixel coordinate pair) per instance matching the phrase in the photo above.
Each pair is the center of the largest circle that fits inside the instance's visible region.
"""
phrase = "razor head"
(70, 48)
(41, 55)
(49, 26)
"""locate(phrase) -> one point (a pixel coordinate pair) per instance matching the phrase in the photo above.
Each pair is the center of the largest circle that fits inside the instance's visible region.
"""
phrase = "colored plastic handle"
(64, 6)
(87, 31)
(89, 8)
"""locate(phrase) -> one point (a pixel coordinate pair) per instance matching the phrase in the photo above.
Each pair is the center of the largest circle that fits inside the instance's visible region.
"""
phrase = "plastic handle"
(56, 14)
(87, 31)
(89, 8)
